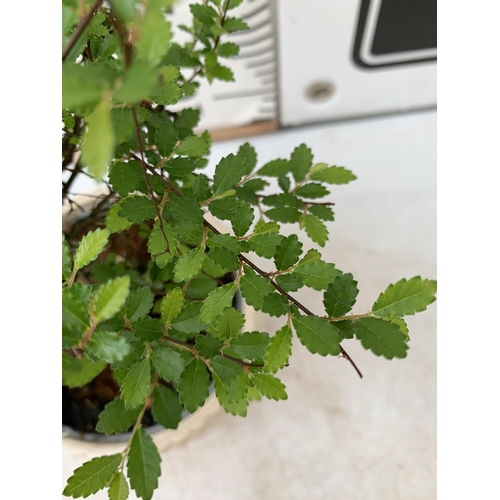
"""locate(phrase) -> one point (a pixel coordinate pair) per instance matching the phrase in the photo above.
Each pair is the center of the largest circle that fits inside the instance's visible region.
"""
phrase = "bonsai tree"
(149, 284)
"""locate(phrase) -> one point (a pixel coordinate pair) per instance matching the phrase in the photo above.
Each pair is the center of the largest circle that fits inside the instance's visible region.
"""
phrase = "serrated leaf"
(266, 227)
(228, 172)
(340, 295)
(317, 275)
(131, 358)
(168, 363)
(189, 264)
(123, 124)
(316, 230)
(233, 407)
(311, 256)
(78, 372)
(143, 465)
(137, 209)
(225, 258)
(265, 244)
(301, 162)
(224, 208)
(157, 245)
(286, 214)
(186, 120)
(110, 298)
(275, 305)
(172, 304)
(317, 334)
(346, 328)
(107, 346)
(284, 183)
(135, 386)
(275, 168)
(92, 476)
(287, 252)
(242, 219)
(98, 142)
(232, 24)
(166, 137)
(115, 418)
(193, 385)
(115, 223)
(148, 329)
(406, 297)
(279, 350)
(188, 320)
(228, 49)
(250, 345)
(139, 303)
(66, 259)
(73, 312)
(237, 388)
(220, 72)
(226, 369)
(255, 289)
(137, 84)
(91, 245)
(208, 346)
(321, 212)
(312, 190)
(192, 146)
(123, 179)
(228, 324)
(118, 489)
(166, 409)
(217, 300)
(334, 175)
(184, 209)
(269, 386)
(381, 337)
(179, 167)
(289, 282)
(224, 241)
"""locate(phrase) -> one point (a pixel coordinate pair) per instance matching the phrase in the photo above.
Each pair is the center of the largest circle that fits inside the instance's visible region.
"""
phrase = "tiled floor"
(338, 437)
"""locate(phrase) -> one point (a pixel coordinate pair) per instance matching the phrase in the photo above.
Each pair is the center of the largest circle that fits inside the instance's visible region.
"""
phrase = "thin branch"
(80, 28)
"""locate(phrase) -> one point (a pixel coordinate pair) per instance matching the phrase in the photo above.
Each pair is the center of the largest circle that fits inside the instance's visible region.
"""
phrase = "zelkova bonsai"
(149, 284)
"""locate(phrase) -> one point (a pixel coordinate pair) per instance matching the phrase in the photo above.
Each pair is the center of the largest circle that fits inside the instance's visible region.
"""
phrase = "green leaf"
(166, 137)
(300, 162)
(216, 301)
(226, 369)
(284, 183)
(340, 295)
(287, 252)
(131, 358)
(231, 4)
(172, 304)
(224, 241)
(233, 407)
(167, 410)
(334, 175)
(255, 289)
(115, 223)
(78, 372)
(155, 35)
(275, 168)
(316, 230)
(311, 256)
(265, 244)
(192, 146)
(179, 167)
(138, 82)
(266, 227)
(118, 489)
(208, 346)
(189, 264)
(289, 282)
(166, 94)
(224, 209)
(98, 142)
(123, 178)
(91, 245)
(135, 387)
(237, 388)
(242, 219)
(228, 49)
(188, 320)
(157, 246)
(204, 13)
(73, 312)
(139, 303)
(123, 124)
(406, 297)
(107, 346)
(382, 337)
(220, 72)
(110, 298)
(228, 172)
(269, 386)
(346, 328)
(317, 334)
(287, 214)
(232, 24)
(279, 350)
(115, 418)
(317, 275)
(92, 476)
(228, 324)
(66, 259)
(193, 385)
(312, 190)
(143, 465)
(184, 209)
(148, 329)
(168, 363)
(250, 345)
(137, 209)
(186, 120)
(225, 258)
(275, 305)
(321, 212)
